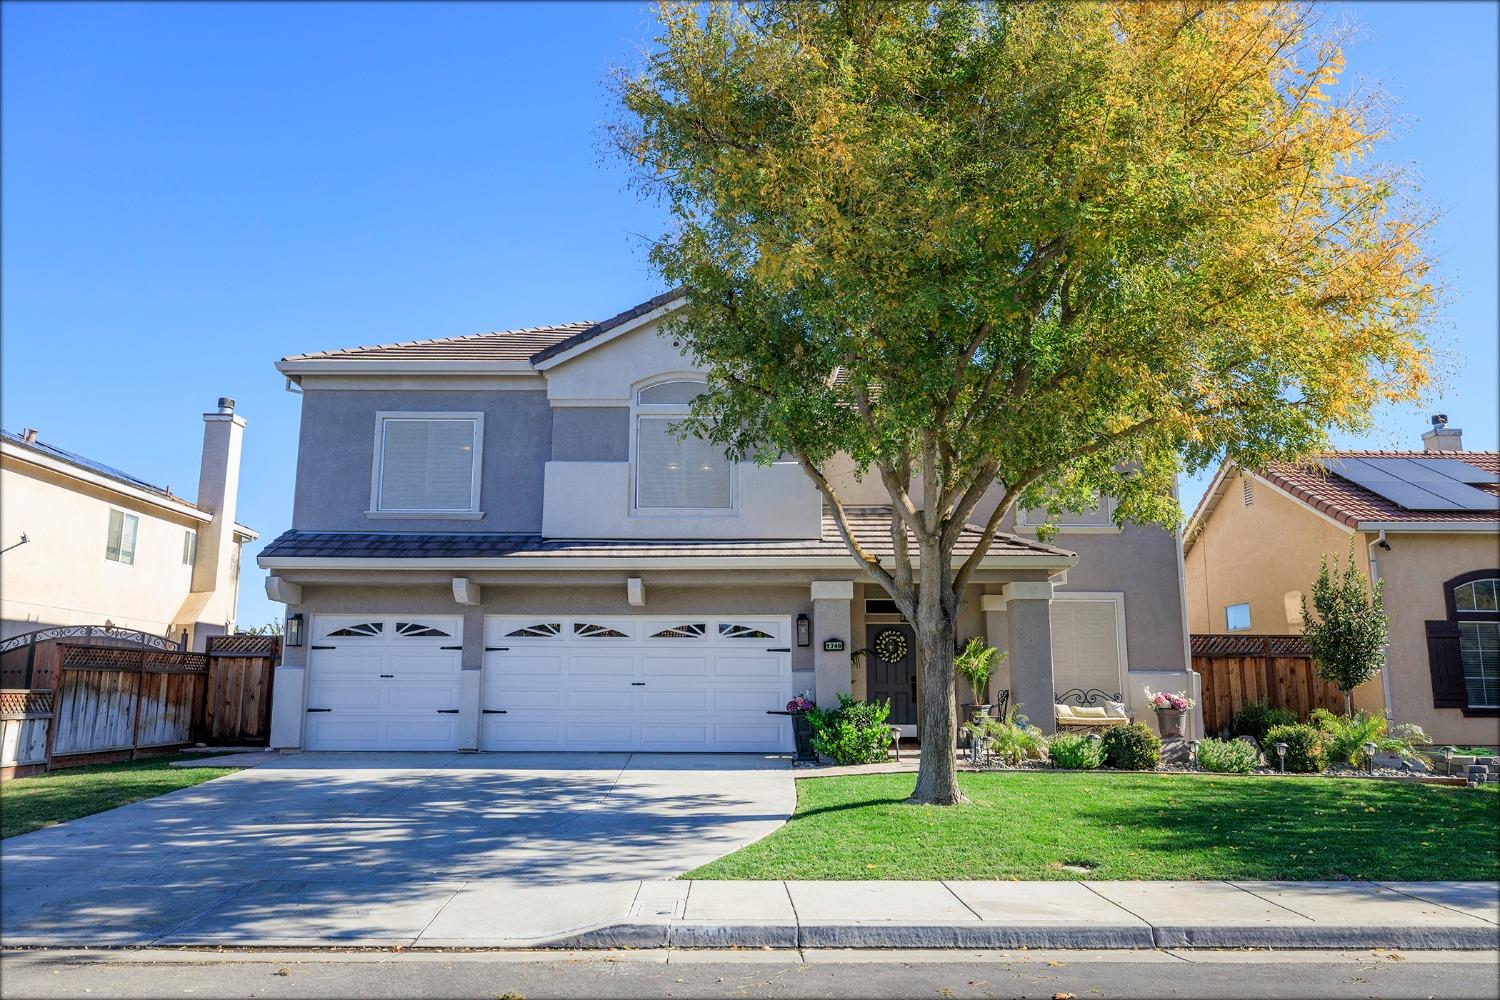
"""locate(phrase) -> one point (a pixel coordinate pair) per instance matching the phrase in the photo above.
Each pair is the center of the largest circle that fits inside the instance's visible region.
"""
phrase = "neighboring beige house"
(101, 546)
(1426, 522)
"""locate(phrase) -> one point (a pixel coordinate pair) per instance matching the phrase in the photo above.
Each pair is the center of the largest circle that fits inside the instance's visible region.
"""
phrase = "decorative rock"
(1174, 750)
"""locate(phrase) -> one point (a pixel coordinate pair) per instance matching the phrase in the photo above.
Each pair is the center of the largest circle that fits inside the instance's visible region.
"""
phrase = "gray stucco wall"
(591, 434)
(337, 448)
(1141, 563)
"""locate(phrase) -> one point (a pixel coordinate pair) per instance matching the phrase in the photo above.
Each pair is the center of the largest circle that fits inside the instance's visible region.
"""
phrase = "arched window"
(1464, 650)
(673, 474)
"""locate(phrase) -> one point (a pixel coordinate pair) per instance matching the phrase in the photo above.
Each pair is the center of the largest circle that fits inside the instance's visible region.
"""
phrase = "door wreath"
(891, 646)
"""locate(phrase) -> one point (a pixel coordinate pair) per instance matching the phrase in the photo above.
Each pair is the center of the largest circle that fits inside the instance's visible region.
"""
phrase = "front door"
(891, 671)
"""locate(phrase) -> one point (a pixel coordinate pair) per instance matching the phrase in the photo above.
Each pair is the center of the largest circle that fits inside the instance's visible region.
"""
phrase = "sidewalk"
(1092, 915)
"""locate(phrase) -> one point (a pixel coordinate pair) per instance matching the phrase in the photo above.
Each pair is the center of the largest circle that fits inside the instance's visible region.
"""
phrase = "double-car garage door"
(684, 683)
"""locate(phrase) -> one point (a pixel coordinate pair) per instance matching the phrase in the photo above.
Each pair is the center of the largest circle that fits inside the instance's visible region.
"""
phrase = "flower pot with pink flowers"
(1170, 708)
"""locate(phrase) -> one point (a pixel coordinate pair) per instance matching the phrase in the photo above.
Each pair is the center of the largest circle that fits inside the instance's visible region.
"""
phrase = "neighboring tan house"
(1426, 522)
(499, 543)
(103, 547)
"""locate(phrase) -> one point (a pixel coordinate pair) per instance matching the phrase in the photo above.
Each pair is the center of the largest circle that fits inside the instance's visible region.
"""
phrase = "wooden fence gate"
(115, 698)
(237, 702)
(1239, 669)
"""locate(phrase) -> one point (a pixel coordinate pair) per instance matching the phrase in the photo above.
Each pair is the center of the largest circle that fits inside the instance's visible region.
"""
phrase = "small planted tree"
(976, 663)
(1349, 633)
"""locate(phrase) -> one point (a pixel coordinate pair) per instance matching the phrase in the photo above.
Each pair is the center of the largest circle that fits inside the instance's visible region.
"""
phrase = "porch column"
(997, 634)
(1028, 613)
(831, 619)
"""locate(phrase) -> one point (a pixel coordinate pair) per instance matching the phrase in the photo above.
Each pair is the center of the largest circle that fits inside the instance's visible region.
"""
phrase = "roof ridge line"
(580, 325)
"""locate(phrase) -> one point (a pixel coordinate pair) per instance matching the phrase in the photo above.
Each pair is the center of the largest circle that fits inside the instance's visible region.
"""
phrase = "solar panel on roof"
(1411, 484)
(1457, 470)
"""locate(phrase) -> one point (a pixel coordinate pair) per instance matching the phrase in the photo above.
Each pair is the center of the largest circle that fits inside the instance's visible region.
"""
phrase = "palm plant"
(1013, 740)
(976, 663)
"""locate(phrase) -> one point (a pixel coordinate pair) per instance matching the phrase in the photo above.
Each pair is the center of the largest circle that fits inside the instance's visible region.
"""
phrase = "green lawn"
(1128, 826)
(28, 804)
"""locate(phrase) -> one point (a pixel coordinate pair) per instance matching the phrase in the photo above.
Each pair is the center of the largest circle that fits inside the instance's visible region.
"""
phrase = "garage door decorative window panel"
(635, 683)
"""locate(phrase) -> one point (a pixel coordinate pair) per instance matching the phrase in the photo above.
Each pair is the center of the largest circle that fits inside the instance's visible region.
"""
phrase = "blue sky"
(191, 191)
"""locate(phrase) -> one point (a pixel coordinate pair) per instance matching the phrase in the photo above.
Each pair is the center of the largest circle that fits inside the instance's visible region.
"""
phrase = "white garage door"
(383, 683)
(687, 683)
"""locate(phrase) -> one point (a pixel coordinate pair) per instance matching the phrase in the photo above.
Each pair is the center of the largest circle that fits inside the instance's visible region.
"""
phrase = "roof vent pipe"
(1442, 437)
(226, 404)
(29, 435)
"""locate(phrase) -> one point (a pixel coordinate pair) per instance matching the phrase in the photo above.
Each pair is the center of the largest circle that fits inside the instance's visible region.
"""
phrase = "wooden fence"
(125, 699)
(1239, 669)
(237, 701)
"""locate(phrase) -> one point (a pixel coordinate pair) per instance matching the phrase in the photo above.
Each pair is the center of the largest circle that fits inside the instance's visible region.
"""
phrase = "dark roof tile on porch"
(870, 525)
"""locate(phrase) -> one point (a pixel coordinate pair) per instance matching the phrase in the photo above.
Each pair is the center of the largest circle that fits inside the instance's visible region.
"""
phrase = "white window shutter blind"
(687, 475)
(427, 465)
(116, 526)
(1085, 646)
(127, 538)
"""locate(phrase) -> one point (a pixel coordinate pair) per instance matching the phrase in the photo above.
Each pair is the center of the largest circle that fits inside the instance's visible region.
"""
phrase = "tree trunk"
(936, 624)
(1349, 704)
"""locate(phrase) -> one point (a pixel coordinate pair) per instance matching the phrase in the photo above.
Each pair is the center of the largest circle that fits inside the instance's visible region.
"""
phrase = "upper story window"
(427, 464)
(1099, 518)
(673, 474)
(189, 547)
(1237, 618)
(120, 547)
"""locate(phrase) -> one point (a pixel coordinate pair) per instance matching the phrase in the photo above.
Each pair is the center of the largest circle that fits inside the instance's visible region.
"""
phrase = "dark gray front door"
(892, 670)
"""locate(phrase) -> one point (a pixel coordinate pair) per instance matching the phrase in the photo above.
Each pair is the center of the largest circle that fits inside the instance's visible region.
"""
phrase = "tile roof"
(596, 329)
(871, 526)
(72, 458)
(501, 345)
(1345, 501)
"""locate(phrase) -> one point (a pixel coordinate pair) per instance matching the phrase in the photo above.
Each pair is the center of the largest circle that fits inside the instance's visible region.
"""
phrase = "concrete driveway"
(324, 846)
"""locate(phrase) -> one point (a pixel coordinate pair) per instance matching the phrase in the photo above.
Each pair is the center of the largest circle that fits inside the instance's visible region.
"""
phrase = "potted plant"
(976, 663)
(1169, 708)
(802, 730)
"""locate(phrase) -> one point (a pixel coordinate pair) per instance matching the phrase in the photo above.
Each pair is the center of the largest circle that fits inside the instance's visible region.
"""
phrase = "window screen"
(1085, 646)
(686, 475)
(1099, 516)
(1479, 648)
(427, 464)
(1237, 617)
(120, 547)
(189, 547)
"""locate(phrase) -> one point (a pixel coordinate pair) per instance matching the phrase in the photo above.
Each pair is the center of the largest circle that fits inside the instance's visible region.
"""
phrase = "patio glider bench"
(1091, 709)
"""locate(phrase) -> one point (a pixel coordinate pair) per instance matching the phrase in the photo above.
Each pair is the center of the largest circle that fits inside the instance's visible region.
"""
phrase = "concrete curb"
(891, 934)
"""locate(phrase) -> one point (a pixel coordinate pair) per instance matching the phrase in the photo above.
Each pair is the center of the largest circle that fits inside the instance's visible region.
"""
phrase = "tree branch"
(869, 563)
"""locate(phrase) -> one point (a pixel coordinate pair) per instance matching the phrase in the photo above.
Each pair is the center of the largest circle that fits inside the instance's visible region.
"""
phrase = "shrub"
(975, 663)
(1227, 756)
(1258, 718)
(1012, 740)
(1306, 752)
(1131, 748)
(1076, 751)
(854, 733)
(1345, 738)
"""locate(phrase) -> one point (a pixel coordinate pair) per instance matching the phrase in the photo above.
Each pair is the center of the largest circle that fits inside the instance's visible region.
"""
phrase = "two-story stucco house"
(1426, 523)
(499, 543)
(105, 547)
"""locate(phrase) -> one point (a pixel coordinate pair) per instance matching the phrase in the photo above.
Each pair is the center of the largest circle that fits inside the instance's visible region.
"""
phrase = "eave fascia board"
(627, 327)
(400, 366)
(1206, 503)
(100, 481)
(1429, 527)
(1038, 560)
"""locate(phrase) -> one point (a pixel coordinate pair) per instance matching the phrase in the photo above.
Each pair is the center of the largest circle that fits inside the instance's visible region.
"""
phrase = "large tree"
(1065, 249)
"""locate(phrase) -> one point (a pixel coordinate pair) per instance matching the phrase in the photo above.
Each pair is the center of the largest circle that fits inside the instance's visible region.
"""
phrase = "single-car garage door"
(686, 683)
(383, 683)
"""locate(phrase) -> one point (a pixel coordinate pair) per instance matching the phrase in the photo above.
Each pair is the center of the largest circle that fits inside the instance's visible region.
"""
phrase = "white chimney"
(1442, 437)
(218, 493)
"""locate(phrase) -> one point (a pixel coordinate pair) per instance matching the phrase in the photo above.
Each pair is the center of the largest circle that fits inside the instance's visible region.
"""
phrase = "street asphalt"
(749, 974)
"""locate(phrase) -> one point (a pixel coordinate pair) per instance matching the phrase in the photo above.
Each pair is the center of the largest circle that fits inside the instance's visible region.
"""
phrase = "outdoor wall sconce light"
(804, 631)
(1281, 756)
(294, 629)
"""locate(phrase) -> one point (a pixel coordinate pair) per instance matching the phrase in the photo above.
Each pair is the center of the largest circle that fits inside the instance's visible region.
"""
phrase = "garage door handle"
(497, 649)
(388, 675)
(447, 711)
(320, 710)
(779, 649)
(637, 684)
(450, 647)
(324, 647)
(495, 711)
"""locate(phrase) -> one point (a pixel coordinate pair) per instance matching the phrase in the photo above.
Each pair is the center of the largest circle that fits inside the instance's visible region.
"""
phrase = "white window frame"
(638, 410)
(1117, 598)
(475, 473)
(1025, 526)
(127, 520)
(1249, 619)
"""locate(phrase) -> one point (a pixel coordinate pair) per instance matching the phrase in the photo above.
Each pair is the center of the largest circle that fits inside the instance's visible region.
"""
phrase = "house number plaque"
(833, 645)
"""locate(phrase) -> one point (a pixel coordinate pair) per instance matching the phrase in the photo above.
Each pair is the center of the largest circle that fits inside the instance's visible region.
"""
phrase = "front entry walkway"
(322, 845)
